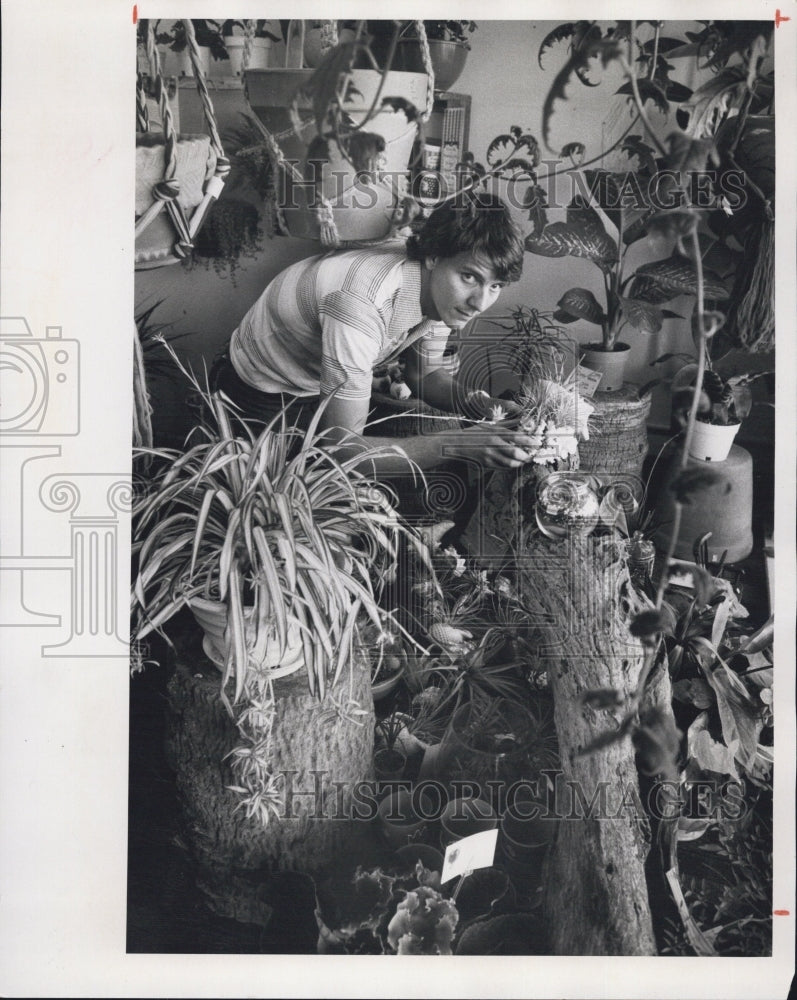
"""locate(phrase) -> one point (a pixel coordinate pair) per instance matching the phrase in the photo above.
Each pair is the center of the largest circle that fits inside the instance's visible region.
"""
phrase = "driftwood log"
(325, 748)
(596, 897)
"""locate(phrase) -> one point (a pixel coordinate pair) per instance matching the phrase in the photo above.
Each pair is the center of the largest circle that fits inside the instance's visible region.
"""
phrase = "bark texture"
(596, 897)
(323, 748)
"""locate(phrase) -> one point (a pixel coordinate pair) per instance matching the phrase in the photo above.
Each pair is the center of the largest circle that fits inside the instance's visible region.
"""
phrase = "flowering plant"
(423, 924)
(553, 413)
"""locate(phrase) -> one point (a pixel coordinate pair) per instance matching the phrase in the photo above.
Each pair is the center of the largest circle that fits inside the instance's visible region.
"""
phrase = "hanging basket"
(343, 208)
(177, 176)
(196, 165)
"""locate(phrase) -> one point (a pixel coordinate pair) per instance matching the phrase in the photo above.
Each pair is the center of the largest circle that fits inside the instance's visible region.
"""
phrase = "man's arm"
(435, 385)
(425, 376)
(344, 420)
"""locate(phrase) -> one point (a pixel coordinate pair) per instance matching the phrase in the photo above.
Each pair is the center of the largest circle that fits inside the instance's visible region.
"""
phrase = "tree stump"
(323, 748)
(596, 894)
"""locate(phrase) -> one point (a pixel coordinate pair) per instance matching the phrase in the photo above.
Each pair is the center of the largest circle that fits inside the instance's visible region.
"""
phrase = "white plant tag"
(587, 381)
(468, 854)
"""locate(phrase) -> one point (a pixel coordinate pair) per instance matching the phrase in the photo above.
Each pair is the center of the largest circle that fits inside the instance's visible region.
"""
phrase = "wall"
(507, 87)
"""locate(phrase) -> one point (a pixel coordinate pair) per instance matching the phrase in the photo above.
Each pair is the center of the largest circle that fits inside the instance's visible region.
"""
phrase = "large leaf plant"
(614, 210)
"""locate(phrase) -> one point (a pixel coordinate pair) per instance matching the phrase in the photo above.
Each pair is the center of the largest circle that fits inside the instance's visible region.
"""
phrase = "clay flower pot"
(462, 817)
(611, 364)
(399, 822)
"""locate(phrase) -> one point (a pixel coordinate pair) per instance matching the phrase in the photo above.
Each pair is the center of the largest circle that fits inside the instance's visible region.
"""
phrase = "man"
(322, 326)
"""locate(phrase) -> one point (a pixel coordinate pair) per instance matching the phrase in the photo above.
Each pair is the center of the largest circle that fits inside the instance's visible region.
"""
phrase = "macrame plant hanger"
(325, 209)
(185, 218)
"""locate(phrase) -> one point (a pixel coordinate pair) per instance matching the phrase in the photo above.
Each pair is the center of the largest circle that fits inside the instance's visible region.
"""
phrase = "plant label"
(586, 380)
(468, 854)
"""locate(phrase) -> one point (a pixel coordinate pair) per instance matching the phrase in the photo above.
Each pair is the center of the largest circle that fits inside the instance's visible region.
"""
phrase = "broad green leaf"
(694, 691)
(581, 303)
(687, 154)
(560, 239)
(648, 91)
(710, 102)
(642, 316)
(674, 275)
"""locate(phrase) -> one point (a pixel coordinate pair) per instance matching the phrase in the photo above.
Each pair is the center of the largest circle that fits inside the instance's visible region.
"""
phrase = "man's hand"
(493, 447)
(481, 405)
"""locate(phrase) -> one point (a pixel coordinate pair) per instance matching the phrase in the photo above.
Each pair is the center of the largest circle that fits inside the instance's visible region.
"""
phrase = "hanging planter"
(329, 192)
(448, 59)
(177, 176)
(309, 41)
(448, 51)
(259, 55)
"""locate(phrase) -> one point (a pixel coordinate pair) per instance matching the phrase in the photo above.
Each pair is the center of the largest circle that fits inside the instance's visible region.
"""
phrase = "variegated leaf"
(560, 239)
(642, 315)
(582, 304)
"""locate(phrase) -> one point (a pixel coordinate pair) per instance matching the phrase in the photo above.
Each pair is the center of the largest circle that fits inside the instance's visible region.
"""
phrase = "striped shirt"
(323, 324)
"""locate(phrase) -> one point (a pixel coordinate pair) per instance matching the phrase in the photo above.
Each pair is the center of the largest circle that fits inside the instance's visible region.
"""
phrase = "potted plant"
(209, 40)
(260, 40)
(279, 549)
(232, 230)
(346, 136)
(722, 406)
(614, 210)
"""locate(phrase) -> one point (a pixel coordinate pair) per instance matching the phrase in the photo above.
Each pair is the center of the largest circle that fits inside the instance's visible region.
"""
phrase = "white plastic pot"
(186, 67)
(712, 442)
(258, 54)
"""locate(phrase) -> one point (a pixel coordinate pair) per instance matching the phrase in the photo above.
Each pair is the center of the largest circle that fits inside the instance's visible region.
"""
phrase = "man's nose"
(479, 299)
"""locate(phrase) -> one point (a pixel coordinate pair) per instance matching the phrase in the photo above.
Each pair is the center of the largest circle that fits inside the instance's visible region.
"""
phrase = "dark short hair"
(479, 224)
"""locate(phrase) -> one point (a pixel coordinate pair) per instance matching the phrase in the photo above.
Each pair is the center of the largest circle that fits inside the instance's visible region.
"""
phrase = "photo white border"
(67, 260)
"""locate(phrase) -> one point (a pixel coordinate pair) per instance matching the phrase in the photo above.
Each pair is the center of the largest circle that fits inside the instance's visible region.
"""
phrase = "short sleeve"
(352, 334)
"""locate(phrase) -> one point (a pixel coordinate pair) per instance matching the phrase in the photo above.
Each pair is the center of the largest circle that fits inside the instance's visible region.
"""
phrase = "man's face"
(459, 288)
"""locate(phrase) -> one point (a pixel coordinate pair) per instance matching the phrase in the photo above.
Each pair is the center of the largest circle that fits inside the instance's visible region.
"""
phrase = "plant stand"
(323, 754)
(618, 438)
(596, 899)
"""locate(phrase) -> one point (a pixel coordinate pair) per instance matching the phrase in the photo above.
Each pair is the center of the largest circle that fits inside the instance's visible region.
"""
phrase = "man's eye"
(466, 276)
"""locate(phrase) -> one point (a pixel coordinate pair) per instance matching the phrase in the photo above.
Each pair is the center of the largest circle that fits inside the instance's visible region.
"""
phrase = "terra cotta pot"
(611, 364)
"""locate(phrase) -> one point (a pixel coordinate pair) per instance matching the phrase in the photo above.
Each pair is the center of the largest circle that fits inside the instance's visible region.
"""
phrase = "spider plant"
(292, 541)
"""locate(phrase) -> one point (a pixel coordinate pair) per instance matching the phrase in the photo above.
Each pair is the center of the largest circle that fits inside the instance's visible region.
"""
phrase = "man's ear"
(429, 263)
